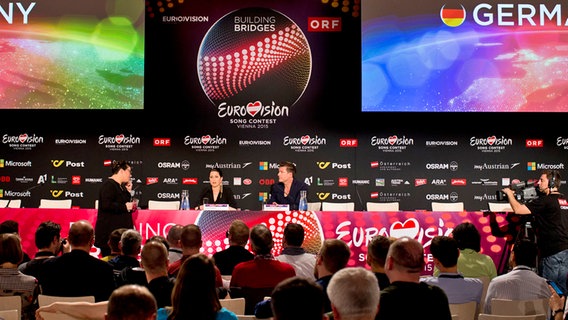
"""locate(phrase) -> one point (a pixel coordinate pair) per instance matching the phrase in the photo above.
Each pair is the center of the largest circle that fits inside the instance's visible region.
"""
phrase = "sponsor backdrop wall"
(243, 85)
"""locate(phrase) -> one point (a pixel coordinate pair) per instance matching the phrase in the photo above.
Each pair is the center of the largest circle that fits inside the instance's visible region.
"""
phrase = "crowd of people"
(170, 277)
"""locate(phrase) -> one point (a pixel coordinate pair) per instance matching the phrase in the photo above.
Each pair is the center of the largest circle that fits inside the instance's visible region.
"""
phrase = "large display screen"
(450, 56)
(72, 54)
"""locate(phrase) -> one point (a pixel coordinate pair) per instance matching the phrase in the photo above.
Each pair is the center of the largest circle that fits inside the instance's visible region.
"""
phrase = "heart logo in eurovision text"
(119, 138)
(205, 139)
(392, 140)
(253, 108)
(491, 140)
(23, 137)
(409, 228)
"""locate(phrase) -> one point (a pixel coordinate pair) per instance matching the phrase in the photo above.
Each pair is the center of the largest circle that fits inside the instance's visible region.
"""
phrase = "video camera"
(524, 191)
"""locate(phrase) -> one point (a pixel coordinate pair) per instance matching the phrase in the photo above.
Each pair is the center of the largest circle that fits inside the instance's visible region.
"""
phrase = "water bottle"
(303, 206)
(185, 200)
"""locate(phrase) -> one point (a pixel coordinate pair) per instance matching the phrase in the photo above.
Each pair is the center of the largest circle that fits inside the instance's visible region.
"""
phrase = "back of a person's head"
(294, 234)
(131, 242)
(335, 254)
(154, 257)
(378, 248)
(354, 293)
(408, 255)
(45, 233)
(297, 298)
(525, 253)
(174, 234)
(131, 302)
(467, 236)
(9, 226)
(81, 233)
(161, 239)
(239, 232)
(194, 294)
(446, 250)
(191, 236)
(261, 239)
(11, 248)
(114, 239)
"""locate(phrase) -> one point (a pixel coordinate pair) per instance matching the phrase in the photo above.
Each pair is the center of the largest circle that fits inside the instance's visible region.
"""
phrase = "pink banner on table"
(355, 228)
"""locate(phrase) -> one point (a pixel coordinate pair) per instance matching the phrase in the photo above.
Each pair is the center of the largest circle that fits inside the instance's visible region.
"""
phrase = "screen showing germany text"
(451, 56)
(72, 54)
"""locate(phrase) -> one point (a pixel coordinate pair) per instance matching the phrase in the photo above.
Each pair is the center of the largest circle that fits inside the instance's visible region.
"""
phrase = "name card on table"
(216, 207)
(276, 207)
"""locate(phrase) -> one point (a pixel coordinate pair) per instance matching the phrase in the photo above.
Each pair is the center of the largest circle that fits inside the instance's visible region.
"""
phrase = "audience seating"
(57, 316)
(485, 280)
(484, 316)
(383, 206)
(44, 300)
(11, 203)
(465, 311)
(448, 206)
(237, 305)
(11, 303)
(519, 307)
(55, 204)
(252, 296)
(9, 314)
(163, 205)
(337, 206)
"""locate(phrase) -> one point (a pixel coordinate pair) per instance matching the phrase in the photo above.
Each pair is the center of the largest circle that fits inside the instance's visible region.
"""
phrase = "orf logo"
(256, 56)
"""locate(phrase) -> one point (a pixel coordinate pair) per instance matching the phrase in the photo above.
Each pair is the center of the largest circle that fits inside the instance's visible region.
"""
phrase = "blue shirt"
(223, 314)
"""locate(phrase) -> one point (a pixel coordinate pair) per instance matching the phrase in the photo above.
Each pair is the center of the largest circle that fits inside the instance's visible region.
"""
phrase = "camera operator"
(550, 212)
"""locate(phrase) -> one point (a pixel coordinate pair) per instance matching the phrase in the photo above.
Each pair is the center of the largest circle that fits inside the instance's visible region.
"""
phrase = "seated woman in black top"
(216, 192)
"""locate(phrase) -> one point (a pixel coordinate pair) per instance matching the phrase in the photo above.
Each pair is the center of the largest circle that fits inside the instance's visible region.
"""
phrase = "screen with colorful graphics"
(72, 54)
(464, 56)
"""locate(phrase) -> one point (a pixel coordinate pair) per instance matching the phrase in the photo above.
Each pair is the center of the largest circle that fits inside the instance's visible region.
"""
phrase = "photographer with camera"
(550, 212)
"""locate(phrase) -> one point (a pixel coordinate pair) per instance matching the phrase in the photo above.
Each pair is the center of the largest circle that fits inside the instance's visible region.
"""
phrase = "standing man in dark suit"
(287, 189)
(77, 273)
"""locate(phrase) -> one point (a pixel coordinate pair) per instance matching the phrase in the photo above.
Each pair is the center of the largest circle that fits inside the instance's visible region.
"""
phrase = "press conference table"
(354, 227)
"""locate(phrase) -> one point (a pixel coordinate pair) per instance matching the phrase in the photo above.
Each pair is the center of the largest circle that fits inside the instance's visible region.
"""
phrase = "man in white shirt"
(293, 253)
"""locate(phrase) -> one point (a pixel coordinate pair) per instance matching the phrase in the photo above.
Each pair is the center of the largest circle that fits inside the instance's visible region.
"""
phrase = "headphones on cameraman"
(552, 180)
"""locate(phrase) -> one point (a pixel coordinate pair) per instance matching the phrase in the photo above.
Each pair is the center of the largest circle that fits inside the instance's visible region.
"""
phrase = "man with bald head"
(407, 297)
(77, 273)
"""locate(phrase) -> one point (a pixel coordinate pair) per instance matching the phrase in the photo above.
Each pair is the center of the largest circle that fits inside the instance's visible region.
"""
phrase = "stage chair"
(44, 300)
(163, 205)
(237, 305)
(465, 311)
(448, 206)
(12, 203)
(11, 303)
(499, 207)
(519, 307)
(383, 206)
(485, 316)
(314, 206)
(337, 206)
(55, 204)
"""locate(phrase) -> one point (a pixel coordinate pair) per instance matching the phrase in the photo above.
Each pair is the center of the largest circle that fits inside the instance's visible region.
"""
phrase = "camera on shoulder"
(524, 191)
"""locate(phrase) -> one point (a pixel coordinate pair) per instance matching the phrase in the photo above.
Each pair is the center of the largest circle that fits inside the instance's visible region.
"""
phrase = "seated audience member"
(155, 265)
(297, 298)
(174, 240)
(377, 250)
(113, 243)
(404, 264)
(293, 253)
(77, 273)
(458, 288)
(333, 256)
(354, 294)
(259, 276)
(521, 283)
(130, 245)
(161, 239)
(195, 295)
(191, 244)
(471, 262)
(12, 226)
(12, 281)
(238, 236)
(129, 302)
(49, 244)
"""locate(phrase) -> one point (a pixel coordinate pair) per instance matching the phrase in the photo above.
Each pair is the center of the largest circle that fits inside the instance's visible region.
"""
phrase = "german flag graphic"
(452, 17)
